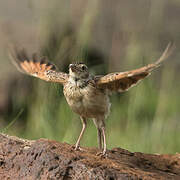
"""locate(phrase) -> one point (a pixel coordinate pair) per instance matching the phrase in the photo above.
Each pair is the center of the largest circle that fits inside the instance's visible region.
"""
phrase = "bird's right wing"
(37, 67)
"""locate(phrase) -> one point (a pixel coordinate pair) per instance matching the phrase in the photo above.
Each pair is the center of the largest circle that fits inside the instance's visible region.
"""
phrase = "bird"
(86, 94)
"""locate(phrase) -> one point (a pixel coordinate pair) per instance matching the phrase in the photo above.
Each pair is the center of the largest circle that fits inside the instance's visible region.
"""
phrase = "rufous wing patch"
(38, 67)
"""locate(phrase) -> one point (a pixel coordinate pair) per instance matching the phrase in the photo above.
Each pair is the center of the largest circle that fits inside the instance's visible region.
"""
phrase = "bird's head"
(78, 71)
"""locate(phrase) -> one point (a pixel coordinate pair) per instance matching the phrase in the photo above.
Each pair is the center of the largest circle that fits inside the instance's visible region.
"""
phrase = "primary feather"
(37, 67)
(122, 81)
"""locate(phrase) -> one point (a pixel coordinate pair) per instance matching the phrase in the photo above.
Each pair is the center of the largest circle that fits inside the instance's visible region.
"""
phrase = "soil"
(48, 159)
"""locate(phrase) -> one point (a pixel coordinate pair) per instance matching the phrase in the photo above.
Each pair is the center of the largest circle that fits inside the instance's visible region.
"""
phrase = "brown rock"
(47, 159)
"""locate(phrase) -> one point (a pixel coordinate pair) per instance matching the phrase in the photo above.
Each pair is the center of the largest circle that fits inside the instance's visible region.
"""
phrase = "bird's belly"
(87, 102)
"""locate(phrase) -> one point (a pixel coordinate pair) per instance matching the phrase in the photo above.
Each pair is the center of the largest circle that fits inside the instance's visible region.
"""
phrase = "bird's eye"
(83, 68)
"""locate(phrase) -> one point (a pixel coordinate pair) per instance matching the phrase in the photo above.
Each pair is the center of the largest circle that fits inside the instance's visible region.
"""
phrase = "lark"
(86, 94)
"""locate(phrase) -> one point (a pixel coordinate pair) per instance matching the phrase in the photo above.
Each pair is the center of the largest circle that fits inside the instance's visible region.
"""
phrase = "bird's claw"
(102, 154)
(77, 148)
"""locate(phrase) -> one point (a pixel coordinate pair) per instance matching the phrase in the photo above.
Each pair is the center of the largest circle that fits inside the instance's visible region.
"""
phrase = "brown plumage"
(122, 81)
(36, 66)
(87, 95)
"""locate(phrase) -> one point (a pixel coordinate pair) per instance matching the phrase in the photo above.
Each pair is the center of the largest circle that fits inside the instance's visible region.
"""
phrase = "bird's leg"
(100, 124)
(99, 137)
(99, 132)
(82, 132)
(104, 140)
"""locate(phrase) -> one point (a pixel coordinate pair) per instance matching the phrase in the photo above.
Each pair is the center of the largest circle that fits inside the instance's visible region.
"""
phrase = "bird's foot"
(77, 148)
(102, 154)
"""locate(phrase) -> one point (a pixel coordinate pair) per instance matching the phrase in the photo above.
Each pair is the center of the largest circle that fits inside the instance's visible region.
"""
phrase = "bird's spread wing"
(37, 67)
(122, 81)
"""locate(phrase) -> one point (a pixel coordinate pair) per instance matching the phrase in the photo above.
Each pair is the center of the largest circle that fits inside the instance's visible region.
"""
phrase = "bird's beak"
(72, 67)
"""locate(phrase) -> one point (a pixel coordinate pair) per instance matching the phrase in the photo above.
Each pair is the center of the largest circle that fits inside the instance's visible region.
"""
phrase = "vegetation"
(111, 36)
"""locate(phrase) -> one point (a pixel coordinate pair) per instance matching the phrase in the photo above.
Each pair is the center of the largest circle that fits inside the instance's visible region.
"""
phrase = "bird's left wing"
(37, 67)
(122, 81)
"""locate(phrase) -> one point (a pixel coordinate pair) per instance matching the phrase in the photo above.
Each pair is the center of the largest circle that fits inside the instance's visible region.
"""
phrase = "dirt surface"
(47, 159)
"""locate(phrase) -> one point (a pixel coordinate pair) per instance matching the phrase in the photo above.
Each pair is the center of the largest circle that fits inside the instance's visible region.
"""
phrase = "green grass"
(144, 119)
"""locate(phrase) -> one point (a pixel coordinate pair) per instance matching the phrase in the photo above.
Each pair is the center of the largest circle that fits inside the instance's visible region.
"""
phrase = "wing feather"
(122, 81)
(37, 67)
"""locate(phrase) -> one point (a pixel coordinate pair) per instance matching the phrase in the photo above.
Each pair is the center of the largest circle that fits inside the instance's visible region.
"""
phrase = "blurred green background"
(108, 36)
